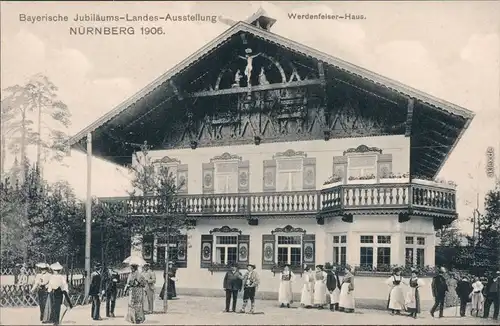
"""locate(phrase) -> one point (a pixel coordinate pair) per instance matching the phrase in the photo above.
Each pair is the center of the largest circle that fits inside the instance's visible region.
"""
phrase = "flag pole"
(88, 214)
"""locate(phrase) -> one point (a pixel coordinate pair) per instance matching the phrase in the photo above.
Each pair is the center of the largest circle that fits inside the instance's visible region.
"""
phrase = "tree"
(149, 178)
(489, 229)
(450, 235)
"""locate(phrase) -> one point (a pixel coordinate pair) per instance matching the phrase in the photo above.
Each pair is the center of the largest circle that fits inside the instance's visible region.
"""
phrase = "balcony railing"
(339, 198)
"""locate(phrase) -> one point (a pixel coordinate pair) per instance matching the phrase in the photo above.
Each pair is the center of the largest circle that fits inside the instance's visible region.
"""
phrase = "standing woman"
(58, 290)
(451, 297)
(477, 297)
(346, 300)
(320, 277)
(136, 283)
(40, 286)
(306, 298)
(285, 294)
(396, 301)
(413, 296)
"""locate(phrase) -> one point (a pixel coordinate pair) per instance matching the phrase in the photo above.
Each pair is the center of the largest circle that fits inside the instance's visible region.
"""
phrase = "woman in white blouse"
(477, 296)
(58, 290)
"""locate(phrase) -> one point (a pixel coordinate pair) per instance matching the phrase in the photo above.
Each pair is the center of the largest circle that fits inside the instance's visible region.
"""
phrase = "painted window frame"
(234, 174)
(279, 172)
(362, 168)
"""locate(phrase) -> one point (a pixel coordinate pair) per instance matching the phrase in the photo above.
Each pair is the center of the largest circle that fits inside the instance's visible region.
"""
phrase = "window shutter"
(384, 165)
(243, 176)
(206, 250)
(243, 250)
(182, 178)
(309, 173)
(208, 178)
(269, 180)
(181, 251)
(309, 250)
(268, 251)
(340, 166)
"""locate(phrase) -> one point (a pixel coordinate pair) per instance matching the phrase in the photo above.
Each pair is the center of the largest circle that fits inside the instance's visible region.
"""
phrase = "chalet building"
(287, 155)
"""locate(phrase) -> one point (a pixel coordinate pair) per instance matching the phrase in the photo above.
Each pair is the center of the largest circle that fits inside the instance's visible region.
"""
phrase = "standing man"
(439, 289)
(232, 285)
(112, 278)
(333, 286)
(96, 291)
(150, 278)
(492, 296)
(250, 283)
(464, 289)
(40, 285)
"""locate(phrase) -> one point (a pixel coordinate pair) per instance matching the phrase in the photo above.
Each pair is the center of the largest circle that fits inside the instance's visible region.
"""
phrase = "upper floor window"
(362, 166)
(176, 172)
(289, 171)
(226, 177)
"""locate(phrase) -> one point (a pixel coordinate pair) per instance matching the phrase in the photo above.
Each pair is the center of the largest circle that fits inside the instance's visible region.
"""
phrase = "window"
(160, 253)
(379, 252)
(366, 239)
(415, 252)
(226, 249)
(366, 256)
(289, 174)
(289, 250)
(383, 256)
(362, 165)
(226, 177)
(340, 250)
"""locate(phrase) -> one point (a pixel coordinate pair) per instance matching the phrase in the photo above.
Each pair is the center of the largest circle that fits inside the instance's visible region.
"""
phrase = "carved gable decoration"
(225, 157)
(225, 229)
(288, 229)
(167, 160)
(290, 153)
(363, 149)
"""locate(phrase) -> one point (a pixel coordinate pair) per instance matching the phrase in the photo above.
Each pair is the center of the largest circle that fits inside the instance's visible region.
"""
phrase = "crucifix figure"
(249, 58)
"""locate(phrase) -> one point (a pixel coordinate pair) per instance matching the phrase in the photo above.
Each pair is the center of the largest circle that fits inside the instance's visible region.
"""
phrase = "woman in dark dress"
(413, 296)
(170, 281)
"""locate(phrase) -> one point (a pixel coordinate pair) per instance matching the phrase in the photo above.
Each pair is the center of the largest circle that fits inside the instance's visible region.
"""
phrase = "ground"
(189, 310)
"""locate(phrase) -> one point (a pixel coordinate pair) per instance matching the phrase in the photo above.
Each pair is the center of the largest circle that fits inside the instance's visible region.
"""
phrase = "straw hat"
(42, 265)
(56, 266)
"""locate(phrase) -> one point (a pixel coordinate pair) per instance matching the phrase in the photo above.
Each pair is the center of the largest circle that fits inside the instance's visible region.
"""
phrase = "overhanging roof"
(162, 82)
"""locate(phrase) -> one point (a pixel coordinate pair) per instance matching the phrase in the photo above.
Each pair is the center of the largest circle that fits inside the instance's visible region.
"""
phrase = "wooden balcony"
(394, 198)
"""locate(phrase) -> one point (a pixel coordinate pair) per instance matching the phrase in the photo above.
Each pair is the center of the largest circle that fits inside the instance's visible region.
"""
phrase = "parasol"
(135, 260)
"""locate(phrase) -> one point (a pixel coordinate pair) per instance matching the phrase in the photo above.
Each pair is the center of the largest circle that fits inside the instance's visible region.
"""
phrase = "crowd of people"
(53, 292)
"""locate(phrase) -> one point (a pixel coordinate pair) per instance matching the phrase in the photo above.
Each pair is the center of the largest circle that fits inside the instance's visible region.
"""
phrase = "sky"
(450, 50)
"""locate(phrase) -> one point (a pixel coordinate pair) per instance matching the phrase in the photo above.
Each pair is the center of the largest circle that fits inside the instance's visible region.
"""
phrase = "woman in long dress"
(477, 297)
(306, 298)
(413, 296)
(319, 298)
(396, 301)
(58, 291)
(136, 283)
(346, 300)
(285, 294)
(451, 298)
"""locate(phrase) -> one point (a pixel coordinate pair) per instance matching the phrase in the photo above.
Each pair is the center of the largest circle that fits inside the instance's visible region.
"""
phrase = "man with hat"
(96, 291)
(333, 286)
(232, 284)
(492, 296)
(250, 283)
(42, 278)
(463, 289)
(150, 278)
(111, 279)
(439, 289)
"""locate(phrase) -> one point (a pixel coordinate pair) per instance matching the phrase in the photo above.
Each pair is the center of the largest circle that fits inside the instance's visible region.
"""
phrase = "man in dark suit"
(96, 291)
(232, 285)
(111, 279)
(492, 294)
(464, 289)
(439, 289)
(333, 286)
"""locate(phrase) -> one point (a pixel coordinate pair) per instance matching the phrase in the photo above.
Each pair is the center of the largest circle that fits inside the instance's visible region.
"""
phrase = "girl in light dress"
(285, 293)
(477, 297)
(396, 301)
(319, 298)
(306, 298)
(346, 299)
(57, 288)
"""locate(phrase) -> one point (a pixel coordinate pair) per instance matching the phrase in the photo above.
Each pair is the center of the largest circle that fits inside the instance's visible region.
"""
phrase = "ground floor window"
(172, 253)
(289, 250)
(383, 256)
(375, 252)
(415, 251)
(366, 257)
(340, 250)
(226, 249)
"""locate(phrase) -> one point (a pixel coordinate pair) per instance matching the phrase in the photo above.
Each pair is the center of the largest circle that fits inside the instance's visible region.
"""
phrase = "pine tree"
(489, 231)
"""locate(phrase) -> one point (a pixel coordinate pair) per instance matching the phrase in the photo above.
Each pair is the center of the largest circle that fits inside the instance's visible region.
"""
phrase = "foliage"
(489, 230)
(450, 235)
